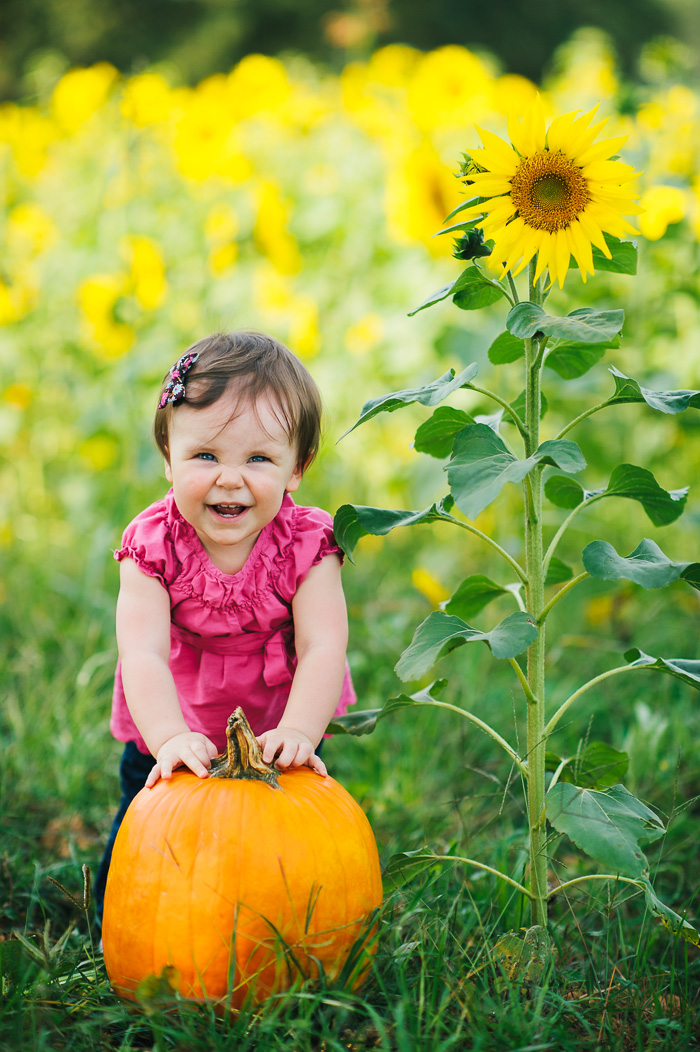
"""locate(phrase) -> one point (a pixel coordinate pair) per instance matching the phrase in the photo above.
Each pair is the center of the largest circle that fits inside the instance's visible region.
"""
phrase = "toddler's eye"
(258, 459)
(205, 456)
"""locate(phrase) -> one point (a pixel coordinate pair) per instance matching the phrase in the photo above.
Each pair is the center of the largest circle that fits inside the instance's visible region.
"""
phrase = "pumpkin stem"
(243, 756)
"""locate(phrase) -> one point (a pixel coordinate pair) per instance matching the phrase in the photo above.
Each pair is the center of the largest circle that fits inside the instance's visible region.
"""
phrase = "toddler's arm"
(321, 636)
(143, 637)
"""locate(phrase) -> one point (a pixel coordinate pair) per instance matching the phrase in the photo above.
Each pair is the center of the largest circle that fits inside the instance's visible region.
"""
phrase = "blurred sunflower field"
(137, 216)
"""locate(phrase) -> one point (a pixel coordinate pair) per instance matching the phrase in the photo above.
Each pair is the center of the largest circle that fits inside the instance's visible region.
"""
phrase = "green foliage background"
(137, 216)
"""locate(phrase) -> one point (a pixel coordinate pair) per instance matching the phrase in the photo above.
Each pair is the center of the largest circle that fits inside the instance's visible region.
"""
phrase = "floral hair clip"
(175, 388)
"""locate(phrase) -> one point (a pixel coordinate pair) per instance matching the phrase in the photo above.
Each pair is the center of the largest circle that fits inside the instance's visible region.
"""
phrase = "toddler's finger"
(316, 764)
(153, 776)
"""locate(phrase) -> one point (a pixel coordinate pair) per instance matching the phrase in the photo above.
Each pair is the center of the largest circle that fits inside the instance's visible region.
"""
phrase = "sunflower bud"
(471, 245)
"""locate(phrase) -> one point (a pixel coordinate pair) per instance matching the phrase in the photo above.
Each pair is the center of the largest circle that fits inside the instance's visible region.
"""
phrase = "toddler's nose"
(230, 477)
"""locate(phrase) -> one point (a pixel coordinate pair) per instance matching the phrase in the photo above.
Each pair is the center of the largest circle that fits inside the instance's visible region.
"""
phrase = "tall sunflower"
(550, 193)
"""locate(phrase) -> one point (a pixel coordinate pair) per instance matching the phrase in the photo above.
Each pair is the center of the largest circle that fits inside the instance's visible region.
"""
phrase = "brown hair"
(254, 363)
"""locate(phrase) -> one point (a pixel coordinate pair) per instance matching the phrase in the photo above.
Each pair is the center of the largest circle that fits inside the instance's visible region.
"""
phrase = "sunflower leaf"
(571, 360)
(672, 402)
(481, 464)
(646, 566)
(354, 521)
(430, 394)
(473, 594)
(687, 670)
(610, 825)
(558, 572)
(436, 435)
(662, 506)
(506, 348)
(584, 325)
(440, 633)
(624, 256)
(469, 280)
(476, 290)
(366, 720)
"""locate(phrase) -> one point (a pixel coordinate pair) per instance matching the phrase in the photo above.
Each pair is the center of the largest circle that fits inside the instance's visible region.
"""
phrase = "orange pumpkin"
(241, 882)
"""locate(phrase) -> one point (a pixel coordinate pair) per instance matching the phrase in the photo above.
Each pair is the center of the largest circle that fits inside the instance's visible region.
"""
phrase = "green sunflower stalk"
(536, 202)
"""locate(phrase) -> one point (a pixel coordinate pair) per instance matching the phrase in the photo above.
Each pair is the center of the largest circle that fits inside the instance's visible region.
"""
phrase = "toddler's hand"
(288, 747)
(190, 749)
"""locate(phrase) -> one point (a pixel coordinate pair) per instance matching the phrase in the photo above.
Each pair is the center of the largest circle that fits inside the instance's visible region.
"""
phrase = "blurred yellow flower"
(662, 205)
(18, 395)
(304, 335)
(28, 134)
(451, 86)
(147, 99)
(221, 230)
(512, 94)
(97, 298)
(364, 334)
(549, 193)
(30, 230)
(271, 231)
(429, 586)
(17, 298)
(146, 270)
(80, 93)
(100, 451)
(206, 141)
(258, 84)
(420, 191)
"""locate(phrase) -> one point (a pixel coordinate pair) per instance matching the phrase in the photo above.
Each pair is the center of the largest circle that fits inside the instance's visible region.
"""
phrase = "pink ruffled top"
(232, 635)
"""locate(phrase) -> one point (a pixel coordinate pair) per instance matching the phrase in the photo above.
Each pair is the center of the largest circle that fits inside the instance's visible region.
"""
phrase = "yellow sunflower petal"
(487, 185)
(561, 257)
(497, 155)
(592, 231)
(608, 172)
(528, 136)
(580, 248)
(544, 253)
(601, 150)
(560, 130)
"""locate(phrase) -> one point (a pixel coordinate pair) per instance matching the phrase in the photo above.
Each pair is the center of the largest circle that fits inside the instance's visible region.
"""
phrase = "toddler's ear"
(168, 471)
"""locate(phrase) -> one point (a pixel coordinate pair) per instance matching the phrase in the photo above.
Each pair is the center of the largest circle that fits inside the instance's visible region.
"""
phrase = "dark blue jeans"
(133, 772)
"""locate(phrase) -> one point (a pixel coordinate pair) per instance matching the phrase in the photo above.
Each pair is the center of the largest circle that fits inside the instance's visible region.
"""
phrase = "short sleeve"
(305, 537)
(148, 541)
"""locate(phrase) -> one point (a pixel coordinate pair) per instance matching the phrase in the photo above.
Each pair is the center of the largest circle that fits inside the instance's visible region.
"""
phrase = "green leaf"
(624, 256)
(440, 633)
(506, 348)
(628, 481)
(405, 865)
(558, 572)
(430, 394)
(519, 406)
(685, 669)
(365, 721)
(610, 825)
(571, 360)
(628, 390)
(668, 917)
(476, 290)
(436, 435)
(481, 464)
(473, 594)
(662, 506)
(597, 766)
(564, 492)
(354, 521)
(469, 281)
(461, 208)
(646, 566)
(584, 325)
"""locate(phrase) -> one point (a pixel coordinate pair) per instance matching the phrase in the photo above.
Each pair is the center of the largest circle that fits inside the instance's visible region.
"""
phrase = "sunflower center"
(549, 191)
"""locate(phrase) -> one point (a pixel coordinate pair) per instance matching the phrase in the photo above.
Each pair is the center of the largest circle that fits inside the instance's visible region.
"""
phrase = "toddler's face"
(230, 473)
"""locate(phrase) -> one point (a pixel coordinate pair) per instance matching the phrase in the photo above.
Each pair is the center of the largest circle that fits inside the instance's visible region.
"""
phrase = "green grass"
(617, 981)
